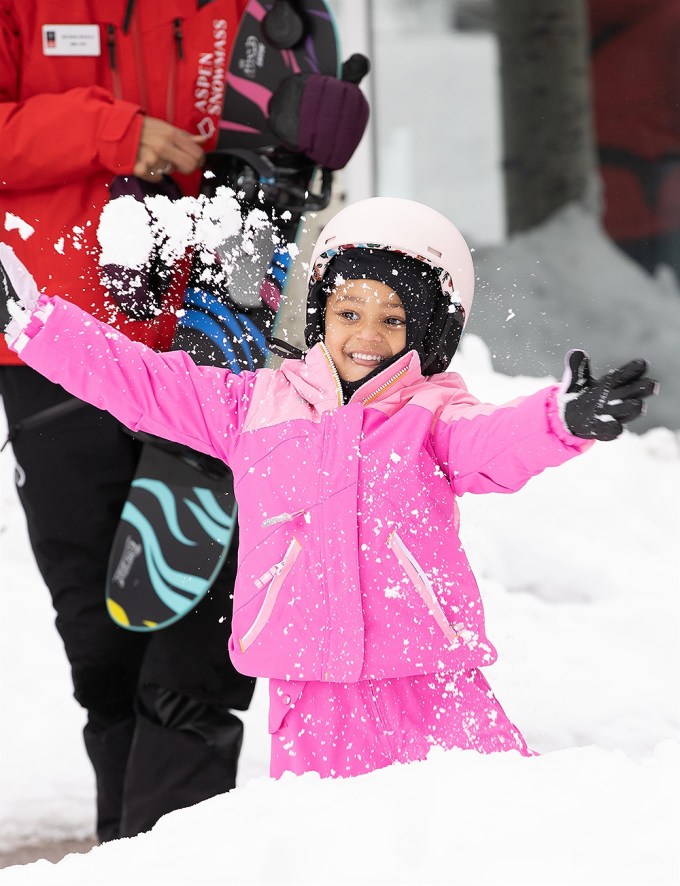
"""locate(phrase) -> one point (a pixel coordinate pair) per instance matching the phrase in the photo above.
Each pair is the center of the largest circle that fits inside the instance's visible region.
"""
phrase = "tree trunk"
(547, 129)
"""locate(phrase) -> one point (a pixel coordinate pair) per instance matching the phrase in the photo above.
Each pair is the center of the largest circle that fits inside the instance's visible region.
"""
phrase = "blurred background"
(549, 132)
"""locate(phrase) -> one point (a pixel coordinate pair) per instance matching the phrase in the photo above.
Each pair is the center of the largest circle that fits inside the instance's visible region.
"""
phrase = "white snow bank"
(564, 285)
(576, 816)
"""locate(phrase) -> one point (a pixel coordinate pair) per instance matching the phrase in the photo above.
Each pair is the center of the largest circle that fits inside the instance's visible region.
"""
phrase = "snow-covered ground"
(580, 573)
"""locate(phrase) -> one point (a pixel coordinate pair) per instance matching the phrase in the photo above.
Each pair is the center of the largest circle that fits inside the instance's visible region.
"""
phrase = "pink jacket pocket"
(273, 580)
(283, 696)
(424, 587)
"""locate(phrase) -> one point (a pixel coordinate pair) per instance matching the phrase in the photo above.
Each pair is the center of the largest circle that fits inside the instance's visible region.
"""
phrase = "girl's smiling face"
(365, 325)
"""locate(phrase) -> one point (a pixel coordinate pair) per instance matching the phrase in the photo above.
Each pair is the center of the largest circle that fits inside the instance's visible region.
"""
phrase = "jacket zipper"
(131, 26)
(334, 372)
(424, 587)
(113, 61)
(325, 639)
(383, 387)
(140, 67)
(177, 56)
(283, 518)
(275, 576)
(127, 18)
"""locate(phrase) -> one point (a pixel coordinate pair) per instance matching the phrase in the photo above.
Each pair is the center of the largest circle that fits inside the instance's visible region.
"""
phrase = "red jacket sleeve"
(50, 139)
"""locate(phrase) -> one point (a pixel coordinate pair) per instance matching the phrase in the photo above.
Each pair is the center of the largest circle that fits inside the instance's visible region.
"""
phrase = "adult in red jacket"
(636, 74)
(99, 89)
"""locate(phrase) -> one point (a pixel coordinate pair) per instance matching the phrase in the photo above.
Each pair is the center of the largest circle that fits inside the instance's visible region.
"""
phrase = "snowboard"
(179, 519)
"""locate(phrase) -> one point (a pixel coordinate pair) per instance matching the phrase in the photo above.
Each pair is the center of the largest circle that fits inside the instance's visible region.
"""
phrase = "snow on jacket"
(350, 563)
(69, 124)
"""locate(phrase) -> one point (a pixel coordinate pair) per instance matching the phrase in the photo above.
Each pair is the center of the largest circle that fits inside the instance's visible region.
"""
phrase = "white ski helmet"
(410, 228)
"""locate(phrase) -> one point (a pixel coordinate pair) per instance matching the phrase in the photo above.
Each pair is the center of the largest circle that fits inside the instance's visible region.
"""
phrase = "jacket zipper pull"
(127, 18)
(113, 62)
(179, 39)
(284, 518)
(111, 43)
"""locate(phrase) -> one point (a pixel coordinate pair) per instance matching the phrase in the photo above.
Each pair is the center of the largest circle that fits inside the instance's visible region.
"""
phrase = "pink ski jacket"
(350, 562)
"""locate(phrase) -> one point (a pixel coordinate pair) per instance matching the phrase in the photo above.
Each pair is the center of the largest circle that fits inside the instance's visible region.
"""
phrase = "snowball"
(124, 233)
(15, 223)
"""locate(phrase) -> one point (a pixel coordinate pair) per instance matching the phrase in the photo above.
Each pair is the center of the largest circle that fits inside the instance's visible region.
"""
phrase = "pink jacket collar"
(316, 379)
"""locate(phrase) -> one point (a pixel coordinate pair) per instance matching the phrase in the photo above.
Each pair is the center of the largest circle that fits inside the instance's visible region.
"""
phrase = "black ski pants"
(160, 730)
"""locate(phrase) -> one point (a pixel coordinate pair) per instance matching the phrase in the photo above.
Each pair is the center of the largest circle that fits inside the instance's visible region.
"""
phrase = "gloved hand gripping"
(18, 294)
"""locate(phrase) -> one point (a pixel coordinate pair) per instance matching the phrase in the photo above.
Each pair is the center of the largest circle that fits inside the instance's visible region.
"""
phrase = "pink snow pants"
(344, 729)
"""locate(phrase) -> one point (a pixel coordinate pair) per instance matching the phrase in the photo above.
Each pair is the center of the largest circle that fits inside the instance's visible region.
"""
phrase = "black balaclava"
(415, 282)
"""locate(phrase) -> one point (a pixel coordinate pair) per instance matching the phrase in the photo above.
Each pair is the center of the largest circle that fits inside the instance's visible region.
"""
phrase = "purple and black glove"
(320, 116)
(597, 408)
(138, 291)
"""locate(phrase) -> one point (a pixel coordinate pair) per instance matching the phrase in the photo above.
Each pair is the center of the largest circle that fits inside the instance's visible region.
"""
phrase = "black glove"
(597, 409)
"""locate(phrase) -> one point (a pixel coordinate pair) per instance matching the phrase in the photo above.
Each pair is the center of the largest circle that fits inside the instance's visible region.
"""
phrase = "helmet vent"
(434, 251)
(329, 240)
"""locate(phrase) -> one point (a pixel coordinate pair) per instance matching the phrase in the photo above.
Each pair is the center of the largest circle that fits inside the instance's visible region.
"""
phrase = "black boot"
(184, 751)
(108, 750)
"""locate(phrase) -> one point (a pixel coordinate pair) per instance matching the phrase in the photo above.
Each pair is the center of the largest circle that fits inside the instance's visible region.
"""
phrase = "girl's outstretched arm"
(488, 448)
(163, 394)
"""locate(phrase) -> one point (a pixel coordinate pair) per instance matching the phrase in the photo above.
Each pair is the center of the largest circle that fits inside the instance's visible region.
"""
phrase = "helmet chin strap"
(284, 349)
(446, 345)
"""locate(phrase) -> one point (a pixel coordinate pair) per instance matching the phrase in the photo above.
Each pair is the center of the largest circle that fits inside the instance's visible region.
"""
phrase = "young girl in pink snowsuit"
(354, 596)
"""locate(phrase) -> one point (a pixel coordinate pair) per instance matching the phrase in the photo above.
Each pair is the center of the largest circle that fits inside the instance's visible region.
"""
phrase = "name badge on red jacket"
(74, 40)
